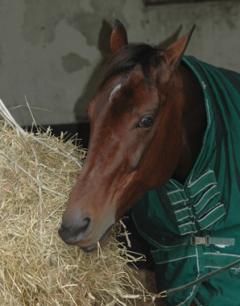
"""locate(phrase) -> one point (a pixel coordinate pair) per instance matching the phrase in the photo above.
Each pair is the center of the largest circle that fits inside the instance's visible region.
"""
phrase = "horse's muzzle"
(73, 234)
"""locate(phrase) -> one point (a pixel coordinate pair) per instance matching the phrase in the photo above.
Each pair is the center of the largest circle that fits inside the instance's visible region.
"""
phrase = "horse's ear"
(175, 51)
(170, 39)
(118, 36)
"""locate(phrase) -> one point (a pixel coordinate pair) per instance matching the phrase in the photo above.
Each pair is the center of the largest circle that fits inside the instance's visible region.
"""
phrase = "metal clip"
(162, 294)
(198, 240)
(207, 240)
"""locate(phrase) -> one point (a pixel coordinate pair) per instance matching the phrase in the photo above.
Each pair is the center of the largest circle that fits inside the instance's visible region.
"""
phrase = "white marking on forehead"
(115, 89)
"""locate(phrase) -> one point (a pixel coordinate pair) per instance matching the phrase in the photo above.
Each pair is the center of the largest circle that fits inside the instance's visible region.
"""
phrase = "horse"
(150, 119)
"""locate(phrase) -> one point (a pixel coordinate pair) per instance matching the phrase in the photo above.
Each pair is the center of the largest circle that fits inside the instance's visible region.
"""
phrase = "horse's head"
(136, 122)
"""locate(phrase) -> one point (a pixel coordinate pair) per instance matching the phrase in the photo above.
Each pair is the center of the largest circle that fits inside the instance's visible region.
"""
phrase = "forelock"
(128, 57)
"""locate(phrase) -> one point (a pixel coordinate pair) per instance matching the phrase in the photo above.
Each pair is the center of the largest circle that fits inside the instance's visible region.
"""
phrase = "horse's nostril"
(83, 226)
(72, 233)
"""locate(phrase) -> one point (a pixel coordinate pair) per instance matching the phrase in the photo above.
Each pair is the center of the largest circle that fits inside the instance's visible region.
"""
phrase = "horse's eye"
(145, 122)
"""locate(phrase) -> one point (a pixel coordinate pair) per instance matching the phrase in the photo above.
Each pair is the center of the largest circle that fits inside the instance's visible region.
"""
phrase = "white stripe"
(190, 295)
(175, 184)
(185, 224)
(177, 202)
(202, 228)
(200, 177)
(213, 267)
(115, 89)
(179, 220)
(198, 266)
(197, 203)
(189, 232)
(217, 267)
(210, 212)
(174, 191)
(175, 259)
(182, 209)
(221, 254)
(204, 187)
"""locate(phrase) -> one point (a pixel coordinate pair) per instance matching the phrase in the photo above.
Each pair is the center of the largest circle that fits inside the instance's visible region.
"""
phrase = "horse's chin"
(93, 246)
(89, 248)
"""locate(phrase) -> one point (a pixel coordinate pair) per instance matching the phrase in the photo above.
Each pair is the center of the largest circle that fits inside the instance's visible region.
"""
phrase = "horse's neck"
(194, 122)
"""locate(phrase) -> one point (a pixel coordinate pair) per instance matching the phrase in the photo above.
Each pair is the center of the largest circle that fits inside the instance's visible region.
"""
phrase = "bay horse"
(150, 120)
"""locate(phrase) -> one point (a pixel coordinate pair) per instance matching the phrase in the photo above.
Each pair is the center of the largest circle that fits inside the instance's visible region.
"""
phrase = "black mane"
(128, 57)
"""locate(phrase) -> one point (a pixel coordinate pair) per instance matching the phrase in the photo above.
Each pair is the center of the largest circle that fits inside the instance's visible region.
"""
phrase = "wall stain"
(42, 17)
(73, 62)
(40, 20)
(89, 23)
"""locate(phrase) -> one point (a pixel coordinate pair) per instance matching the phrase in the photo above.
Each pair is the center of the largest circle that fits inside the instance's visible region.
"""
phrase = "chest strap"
(165, 293)
(208, 240)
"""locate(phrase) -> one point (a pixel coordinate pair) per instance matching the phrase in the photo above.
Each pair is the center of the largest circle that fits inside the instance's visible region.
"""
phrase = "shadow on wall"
(104, 48)
(95, 78)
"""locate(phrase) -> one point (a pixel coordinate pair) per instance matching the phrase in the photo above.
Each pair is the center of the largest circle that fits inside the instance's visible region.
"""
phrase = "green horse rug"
(194, 228)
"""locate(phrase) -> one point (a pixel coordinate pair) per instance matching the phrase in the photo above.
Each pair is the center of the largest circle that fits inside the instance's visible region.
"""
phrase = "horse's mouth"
(92, 247)
(89, 248)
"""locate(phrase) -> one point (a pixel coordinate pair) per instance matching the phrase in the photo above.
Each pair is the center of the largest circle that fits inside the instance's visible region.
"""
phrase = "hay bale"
(36, 267)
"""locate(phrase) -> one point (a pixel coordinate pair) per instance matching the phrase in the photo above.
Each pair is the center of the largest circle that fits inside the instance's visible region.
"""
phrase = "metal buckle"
(207, 240)
(198, 240)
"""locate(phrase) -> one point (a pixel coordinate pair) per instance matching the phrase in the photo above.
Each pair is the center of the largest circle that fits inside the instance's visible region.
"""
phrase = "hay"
(36, 267)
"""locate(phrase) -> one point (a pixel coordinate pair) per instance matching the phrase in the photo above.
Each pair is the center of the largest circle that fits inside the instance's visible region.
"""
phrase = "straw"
(37, 172)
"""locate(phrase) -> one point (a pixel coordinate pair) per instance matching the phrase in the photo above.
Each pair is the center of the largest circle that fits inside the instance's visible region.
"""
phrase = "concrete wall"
(49, 49)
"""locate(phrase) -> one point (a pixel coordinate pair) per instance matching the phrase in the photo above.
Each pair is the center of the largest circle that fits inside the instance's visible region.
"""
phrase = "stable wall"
(49, 49)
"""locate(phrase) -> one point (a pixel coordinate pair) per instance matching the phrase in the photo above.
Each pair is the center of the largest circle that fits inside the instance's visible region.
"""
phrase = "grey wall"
(49, 48)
